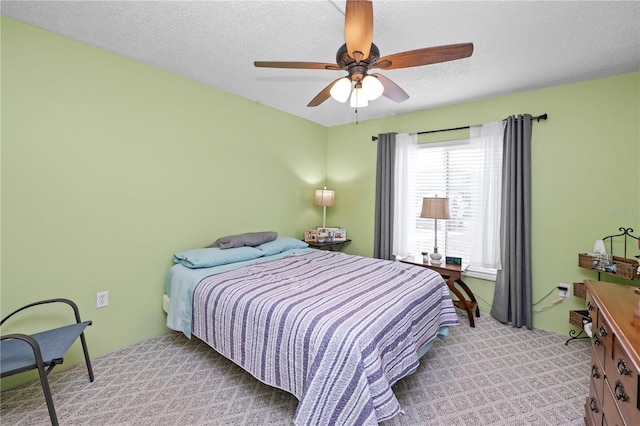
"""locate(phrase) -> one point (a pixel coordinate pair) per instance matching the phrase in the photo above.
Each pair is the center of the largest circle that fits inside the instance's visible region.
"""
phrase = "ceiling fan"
(358, 56)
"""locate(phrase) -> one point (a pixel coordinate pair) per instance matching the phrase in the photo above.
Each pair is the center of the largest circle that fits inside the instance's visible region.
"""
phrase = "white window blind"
(445, 171)
(459, 170)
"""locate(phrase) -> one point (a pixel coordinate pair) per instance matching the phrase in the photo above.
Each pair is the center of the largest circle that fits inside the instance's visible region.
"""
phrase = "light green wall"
(109, 166)
(585, 175)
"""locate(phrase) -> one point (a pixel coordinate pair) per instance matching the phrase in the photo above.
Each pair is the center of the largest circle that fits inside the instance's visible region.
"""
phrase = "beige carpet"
(488, 375)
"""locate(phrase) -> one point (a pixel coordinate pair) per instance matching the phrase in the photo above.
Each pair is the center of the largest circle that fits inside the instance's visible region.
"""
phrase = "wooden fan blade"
(323, 95)
(426, 56)
(297, 65)
(358, 28)
(391, 89)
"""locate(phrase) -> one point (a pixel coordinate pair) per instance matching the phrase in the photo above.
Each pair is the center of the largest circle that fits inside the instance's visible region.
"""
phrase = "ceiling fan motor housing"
(357, 71)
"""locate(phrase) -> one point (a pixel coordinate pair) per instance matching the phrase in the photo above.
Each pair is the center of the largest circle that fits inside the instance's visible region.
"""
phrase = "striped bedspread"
(337, 331)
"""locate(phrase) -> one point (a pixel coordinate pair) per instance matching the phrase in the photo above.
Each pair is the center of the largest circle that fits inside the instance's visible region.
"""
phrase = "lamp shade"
(435, 208)
(325, 197)
(358, 98)
(341, 90)
(372, 87)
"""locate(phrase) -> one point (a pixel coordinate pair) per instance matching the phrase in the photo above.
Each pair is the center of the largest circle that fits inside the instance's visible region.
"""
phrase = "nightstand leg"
(467, 290)
(469, 306)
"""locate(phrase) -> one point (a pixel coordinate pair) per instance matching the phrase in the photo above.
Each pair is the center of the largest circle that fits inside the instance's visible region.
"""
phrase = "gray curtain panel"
(385, 169)
(512, 301)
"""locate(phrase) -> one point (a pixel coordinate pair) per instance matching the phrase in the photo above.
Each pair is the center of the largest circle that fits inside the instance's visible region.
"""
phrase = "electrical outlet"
(564, 290)
(102, 299)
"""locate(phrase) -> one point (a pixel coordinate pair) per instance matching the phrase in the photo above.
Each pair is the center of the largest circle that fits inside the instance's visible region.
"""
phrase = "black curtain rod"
(538, 118)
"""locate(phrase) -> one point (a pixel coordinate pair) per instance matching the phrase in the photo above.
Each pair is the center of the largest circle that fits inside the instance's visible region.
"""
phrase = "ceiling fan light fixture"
(372, 87)
(359, 55)
(341, 89)
(358, 97)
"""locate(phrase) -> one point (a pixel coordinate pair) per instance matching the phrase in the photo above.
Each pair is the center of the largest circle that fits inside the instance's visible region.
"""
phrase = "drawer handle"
(593, 405)
(594, 372)
(622, 367)
(596, 340)
(589, 306)
(619, 392)
(603, 331)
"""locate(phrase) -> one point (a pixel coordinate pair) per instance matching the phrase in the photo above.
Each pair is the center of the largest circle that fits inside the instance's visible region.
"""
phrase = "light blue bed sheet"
(443, 332)
(181, 281)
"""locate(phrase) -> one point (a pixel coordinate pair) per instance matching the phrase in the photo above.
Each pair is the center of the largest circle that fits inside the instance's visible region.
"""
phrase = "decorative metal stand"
(621, 267)
(573, 335)
(626, 232)
(626, 269)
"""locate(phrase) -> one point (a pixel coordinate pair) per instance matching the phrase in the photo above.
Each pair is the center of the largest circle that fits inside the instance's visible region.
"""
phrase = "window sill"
(481, 273)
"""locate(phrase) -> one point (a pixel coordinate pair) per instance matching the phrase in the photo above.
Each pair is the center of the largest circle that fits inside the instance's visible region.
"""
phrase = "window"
(444, 171)
(468, 172)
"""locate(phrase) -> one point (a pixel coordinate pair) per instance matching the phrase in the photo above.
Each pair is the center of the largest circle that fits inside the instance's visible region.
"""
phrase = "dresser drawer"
(592, 410)
(602, 339)
(597, 376)
(622, 376)
(592, 308)
(610, 414)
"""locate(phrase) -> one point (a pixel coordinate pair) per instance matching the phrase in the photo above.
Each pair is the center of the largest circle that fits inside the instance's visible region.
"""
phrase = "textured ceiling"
(518, 45)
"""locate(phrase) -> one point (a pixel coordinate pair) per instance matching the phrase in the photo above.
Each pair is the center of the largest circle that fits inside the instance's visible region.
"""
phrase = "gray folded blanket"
(250, 239)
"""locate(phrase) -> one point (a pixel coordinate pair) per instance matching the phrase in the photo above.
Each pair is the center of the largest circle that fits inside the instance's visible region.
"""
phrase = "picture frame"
(326, 230)
(310, 235)
(340, 234)
(324, 235)
(337, 234)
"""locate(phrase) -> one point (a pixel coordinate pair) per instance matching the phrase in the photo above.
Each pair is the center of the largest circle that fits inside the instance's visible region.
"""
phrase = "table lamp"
(325, 197)
(435, 208)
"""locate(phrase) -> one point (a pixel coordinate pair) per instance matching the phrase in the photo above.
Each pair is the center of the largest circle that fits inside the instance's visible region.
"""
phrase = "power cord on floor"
(485, 302)
(555, 302)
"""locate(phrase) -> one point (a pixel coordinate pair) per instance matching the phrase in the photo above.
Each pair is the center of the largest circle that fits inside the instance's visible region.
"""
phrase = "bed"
(335, 330)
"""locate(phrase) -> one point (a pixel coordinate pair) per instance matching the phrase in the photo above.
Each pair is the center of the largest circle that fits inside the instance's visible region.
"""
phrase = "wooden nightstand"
(331, 245)
(452, 275)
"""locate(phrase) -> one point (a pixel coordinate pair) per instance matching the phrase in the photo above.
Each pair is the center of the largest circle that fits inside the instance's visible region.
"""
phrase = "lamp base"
(436, 258)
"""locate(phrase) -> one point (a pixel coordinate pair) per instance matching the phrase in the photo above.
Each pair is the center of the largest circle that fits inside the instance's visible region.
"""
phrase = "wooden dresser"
(615, 357)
